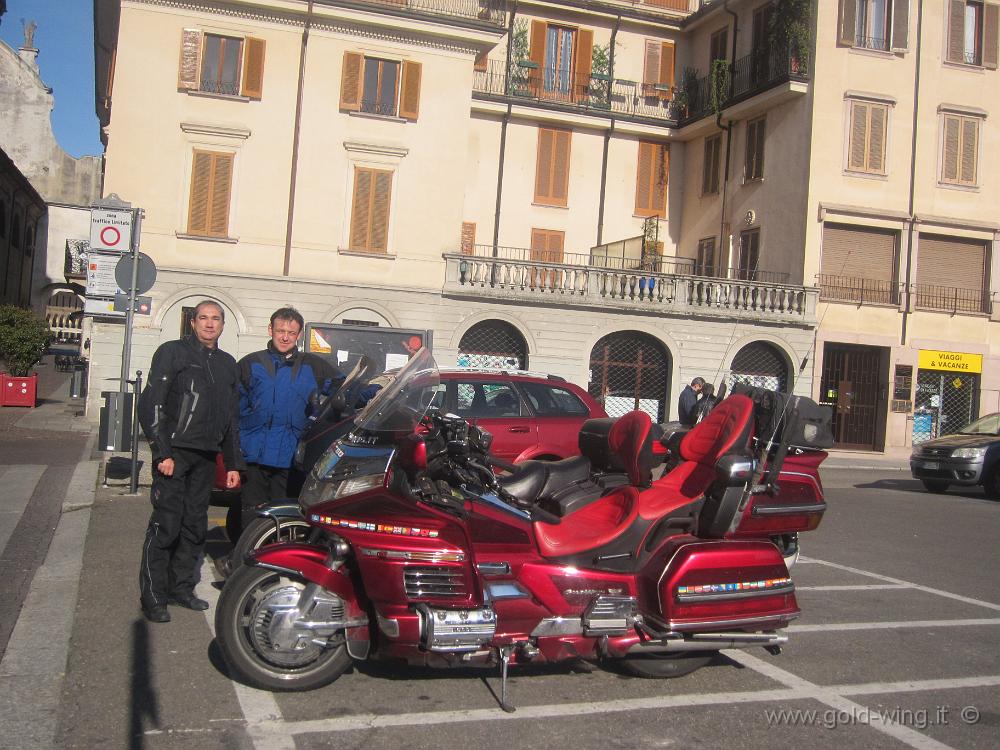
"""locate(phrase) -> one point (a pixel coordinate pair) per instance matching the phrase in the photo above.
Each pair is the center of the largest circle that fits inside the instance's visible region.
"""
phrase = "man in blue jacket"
(275, 386)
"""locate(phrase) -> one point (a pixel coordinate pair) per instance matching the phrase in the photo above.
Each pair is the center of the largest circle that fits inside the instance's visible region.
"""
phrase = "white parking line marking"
(899, 581)
(891, 625)
(856, 587)
(914, 686)
(832, 698)
(258, 706)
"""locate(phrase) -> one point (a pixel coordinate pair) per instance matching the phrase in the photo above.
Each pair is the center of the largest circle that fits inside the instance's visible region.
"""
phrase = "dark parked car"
(966, 458)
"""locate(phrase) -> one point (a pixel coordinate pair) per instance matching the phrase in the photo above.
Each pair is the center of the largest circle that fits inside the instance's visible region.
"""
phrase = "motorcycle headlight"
(968, 453)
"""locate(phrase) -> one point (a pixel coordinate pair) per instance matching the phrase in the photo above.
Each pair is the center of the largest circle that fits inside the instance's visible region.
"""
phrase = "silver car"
(967, 458)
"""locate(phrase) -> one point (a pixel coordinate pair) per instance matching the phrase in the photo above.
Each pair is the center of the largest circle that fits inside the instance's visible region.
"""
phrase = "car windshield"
(988, 425)
(404, 398)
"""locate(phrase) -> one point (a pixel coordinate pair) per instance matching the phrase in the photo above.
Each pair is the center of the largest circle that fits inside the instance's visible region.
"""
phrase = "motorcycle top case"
(802, 422)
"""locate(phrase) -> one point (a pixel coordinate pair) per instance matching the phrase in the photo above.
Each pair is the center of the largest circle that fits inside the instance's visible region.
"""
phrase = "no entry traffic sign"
(111, 229)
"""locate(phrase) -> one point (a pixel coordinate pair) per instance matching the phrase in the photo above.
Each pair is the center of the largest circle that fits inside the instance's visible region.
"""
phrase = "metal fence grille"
(630, 370)
(945, 402)
(492, 344)
(761, 365)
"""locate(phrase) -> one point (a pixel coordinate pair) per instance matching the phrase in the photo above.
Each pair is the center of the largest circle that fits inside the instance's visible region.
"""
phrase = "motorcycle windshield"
(404, 400)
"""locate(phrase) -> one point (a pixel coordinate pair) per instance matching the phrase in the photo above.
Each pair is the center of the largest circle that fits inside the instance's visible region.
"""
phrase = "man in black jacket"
(687, 401)
(189, 410)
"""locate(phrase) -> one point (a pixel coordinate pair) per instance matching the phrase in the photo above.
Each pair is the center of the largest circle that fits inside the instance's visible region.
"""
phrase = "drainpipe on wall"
(503, 139)
(607, 135)
(729, 139)
(913, 180)
(295, 139)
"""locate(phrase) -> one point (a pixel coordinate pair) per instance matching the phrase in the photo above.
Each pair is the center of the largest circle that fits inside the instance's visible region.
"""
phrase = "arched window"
(631, 370)
(761, 364)
(493, 343)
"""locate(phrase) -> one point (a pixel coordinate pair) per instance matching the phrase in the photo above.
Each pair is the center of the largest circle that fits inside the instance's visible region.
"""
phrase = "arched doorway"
(631, 370)
(493, 343)
(762, 365)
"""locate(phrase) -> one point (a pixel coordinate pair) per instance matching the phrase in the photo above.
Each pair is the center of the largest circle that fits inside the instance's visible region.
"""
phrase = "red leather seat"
(591, 526)
(628, 441)
(726, 426)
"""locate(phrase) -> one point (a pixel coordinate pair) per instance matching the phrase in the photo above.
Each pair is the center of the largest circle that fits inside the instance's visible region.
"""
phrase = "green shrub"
(23, 339)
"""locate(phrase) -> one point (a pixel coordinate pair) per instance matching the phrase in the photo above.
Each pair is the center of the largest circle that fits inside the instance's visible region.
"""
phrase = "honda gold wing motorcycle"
(420, 552)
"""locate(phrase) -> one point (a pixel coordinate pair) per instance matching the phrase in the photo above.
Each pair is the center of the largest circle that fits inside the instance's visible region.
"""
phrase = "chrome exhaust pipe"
(673, 643)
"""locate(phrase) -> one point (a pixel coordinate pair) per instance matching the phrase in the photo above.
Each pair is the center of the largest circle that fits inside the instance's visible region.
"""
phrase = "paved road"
(901, 620)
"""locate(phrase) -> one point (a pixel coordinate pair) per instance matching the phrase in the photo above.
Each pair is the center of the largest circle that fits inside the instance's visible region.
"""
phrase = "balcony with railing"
(597, 94)
(860, 291)
(666, 286)
(952, 299)
(494, 12)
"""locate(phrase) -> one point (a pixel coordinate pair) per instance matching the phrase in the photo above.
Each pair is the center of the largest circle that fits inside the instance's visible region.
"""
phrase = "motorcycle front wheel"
(262, 531)
(665, 666)
(255, 627)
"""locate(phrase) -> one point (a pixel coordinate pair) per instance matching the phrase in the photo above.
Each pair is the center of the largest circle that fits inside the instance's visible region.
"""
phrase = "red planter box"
(15, 391)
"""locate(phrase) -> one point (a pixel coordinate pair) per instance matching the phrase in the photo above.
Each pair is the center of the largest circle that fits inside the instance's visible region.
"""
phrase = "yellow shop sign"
(930, 359)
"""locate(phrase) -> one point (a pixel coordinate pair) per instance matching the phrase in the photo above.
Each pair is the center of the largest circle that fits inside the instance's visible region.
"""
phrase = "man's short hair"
(288, 313)
(698, 381)
(206, 302)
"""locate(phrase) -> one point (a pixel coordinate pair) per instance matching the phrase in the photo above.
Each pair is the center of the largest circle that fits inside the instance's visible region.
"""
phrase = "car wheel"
(992, 484)
(934, 485)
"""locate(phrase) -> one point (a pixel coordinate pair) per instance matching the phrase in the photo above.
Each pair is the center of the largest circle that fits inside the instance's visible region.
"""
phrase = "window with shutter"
(211, 188)
(710, 166)
(858, 264)
(749, 254)
(546, 247)
(973, 31)
(705, 263)
(960, 150)
(867, 137)
(651, 178)
(377, 86)
(658, 71)
(951, 274)
(563, 56)
(224, 65)
(468, 238)
(718, 46)
(756, 134)
(552, 167)
(369, 230)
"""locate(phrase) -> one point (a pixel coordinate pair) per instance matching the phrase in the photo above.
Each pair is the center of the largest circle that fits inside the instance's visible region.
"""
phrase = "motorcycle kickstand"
(505, 652)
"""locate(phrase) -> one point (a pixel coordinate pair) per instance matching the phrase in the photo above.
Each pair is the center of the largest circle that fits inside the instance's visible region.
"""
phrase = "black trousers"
(262, 484)
(175, 536)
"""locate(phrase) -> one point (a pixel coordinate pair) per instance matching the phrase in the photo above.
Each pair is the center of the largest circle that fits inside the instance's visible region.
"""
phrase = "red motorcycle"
(419, 551)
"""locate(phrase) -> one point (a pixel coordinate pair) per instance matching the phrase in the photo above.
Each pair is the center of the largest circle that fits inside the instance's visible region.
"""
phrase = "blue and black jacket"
(274, 401)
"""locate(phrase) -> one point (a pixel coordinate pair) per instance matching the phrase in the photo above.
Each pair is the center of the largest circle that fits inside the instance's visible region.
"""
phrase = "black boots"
(156, 613)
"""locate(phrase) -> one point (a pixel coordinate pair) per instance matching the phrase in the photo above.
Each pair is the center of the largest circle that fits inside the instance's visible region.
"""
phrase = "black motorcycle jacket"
(191, 400)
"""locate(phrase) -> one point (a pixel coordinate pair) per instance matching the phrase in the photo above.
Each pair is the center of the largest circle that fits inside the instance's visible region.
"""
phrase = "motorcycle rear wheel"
(241, 626)
(666, 666)
(262, 531)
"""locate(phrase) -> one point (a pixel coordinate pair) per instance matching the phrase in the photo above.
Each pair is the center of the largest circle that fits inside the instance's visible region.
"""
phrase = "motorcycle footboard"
(725, 586)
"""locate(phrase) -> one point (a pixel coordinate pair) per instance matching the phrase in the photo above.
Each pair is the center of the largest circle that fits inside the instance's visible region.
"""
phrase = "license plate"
(931, 465)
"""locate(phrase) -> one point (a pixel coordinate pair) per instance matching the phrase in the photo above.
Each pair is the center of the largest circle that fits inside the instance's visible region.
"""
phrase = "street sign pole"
(130, 313)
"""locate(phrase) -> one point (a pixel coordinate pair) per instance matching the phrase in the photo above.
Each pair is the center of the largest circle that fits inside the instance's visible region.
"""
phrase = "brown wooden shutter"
(970, 150)
(409, 97)
(189, 70)
(201, 182)
(482, 61)
(253, 67)
(667, 55)
(876, 138)
(952, 135)
(651, 68)
(361, 209)
(951, 262)
(761, 139)
(536, 54)
(552, 167)
(109, 88)
(584, 53)
(858, 253)
(644, 180)
(900, 25)
(661, 170)
(560, 167)
(991, 36)
(351, 82)
(706, 167)
(211, 186)
(859, 129)
(848, 22)
(956, 31)
(468, 238)
(543, 165)
(381, 195)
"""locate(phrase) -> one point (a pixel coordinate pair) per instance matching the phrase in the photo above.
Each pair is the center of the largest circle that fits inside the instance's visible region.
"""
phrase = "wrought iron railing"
(952, 299)
(762, 69)
(492, 11)
(596, 93)
(653, 264)
(858, 290)
(871, 42)
(226, 88)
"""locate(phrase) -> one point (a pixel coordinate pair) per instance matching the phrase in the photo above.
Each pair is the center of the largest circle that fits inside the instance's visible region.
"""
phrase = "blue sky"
(65, 38)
